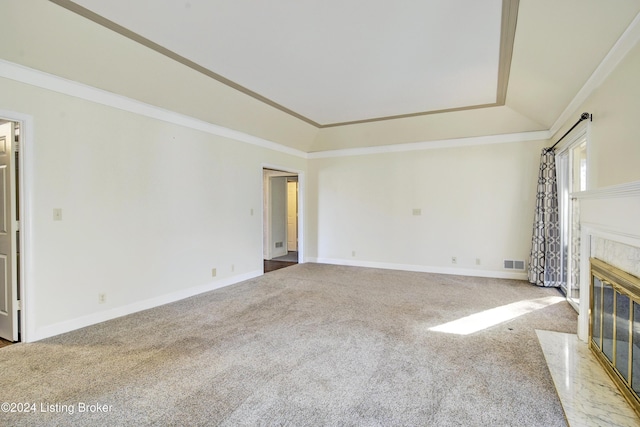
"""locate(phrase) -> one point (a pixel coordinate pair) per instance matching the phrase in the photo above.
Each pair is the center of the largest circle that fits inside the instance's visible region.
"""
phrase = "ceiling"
(333, 63)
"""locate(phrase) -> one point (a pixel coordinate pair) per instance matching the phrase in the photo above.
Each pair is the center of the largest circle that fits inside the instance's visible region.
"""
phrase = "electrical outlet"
(102, 298)
(477, 261)
(233, 268)
(57, 214)
(454, 260)
(213, 272)
(353, 253)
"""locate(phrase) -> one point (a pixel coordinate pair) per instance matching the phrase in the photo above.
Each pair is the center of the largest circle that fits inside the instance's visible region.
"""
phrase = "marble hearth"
(609, 224)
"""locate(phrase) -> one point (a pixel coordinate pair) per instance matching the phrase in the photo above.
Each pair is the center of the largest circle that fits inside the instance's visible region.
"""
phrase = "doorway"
(10, 208)
(280, 219)
(572, 171)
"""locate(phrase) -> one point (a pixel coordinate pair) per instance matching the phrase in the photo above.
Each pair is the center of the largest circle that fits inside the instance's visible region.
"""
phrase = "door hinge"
(19, 304)
(17, 227)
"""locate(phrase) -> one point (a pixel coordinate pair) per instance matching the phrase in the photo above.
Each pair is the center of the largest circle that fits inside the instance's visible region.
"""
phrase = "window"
(572, 170)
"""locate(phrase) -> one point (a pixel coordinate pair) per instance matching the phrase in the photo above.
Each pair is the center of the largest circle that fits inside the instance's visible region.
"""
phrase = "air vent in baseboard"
(279, 244)
(511, 264)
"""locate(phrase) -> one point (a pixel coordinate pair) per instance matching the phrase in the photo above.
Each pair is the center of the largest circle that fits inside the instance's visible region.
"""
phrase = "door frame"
(301, 204)
(25, 173)
(565, 182)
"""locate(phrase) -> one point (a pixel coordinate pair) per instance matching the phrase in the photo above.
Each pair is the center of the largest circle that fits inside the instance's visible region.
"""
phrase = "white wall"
(615, 130)
(610, 209)
(476, 202)
(149, 208)
(428, 127)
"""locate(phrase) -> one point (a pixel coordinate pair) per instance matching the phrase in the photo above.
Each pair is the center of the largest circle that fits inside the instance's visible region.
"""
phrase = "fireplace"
(614, 326)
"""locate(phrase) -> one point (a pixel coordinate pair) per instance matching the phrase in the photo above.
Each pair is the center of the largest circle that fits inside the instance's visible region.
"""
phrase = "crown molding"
(41, 79)
(72, 88)
(75, 89)
(618, 52)
(33, 77)
(629, 189)
(431, 145)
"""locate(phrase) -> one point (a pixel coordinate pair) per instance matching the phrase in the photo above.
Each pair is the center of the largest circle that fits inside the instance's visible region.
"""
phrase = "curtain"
(544, 261)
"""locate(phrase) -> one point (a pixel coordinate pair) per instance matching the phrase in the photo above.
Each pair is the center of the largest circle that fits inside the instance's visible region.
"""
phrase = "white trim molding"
(431, 145)
(421, 268)
(37, 78)
(64, 86)
(629, 189)
(620, 49)
(103, 316)
(302, 191)
(75, 89)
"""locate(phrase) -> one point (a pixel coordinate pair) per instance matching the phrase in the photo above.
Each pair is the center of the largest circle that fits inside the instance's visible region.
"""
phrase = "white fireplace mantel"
(611, 213)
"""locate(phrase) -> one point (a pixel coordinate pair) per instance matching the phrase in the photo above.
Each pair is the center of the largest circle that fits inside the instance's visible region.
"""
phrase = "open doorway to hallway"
(281, 226)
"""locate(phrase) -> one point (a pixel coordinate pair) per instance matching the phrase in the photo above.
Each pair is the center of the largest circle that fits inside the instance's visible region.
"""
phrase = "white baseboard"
(422, 268)
(102, 316)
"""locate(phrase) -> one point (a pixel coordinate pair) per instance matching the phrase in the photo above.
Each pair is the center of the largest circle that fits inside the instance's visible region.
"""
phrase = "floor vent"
(511, 264)
(279, 244)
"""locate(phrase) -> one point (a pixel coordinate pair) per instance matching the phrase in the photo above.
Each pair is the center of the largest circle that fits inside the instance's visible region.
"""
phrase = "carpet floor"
(308, 345)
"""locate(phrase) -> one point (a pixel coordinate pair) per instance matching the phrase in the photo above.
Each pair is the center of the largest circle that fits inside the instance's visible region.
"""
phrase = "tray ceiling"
(335, 63)
(330, 62)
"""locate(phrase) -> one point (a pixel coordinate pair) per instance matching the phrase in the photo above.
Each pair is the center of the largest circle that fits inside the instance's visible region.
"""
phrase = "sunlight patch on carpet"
(488, 318)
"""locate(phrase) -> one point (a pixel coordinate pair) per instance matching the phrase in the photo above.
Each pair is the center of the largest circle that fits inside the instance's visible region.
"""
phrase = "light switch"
(57, 214)
(417, 212)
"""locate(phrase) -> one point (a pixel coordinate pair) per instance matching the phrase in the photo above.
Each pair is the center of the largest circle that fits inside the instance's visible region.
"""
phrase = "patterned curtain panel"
(544, 262)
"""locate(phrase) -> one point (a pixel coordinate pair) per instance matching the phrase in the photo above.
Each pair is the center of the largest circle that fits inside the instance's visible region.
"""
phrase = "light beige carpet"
(309, 345)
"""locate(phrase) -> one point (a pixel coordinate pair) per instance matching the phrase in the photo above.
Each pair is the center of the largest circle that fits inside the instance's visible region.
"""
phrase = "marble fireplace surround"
(610, 231)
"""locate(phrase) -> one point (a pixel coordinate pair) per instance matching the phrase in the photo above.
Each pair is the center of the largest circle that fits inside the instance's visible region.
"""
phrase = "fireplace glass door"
(614, 326)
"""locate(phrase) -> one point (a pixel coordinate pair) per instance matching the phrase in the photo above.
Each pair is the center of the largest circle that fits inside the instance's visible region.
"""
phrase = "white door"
(8, 265)
(571, 165)
(278, 209)
(292, 216)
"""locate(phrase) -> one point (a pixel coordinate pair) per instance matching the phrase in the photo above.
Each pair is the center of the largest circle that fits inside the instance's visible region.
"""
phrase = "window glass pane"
(579, 162)
(597, 312)
(571, 165)
(607, 322)
(622, 335)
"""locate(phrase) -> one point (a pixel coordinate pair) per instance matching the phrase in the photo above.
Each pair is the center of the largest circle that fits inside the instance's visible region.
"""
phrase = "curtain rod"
(583, 116)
